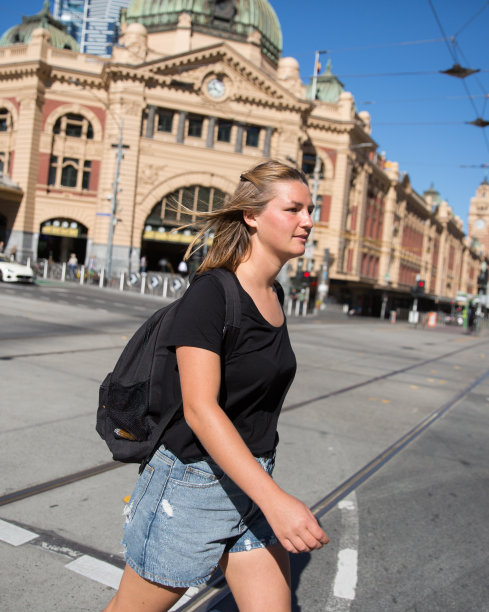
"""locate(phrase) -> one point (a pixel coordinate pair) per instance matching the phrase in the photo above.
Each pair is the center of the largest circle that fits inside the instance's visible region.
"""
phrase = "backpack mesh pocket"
(127, 408)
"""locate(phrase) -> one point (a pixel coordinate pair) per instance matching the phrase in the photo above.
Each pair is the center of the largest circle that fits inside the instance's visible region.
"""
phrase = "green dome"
(328, 87)
(232, 19)
(23, 33)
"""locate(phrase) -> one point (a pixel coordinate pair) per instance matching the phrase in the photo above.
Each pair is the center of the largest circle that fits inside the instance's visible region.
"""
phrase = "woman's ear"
(249, 218)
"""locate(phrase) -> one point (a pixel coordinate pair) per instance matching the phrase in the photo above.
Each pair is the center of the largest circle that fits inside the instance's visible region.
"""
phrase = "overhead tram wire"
(471, 19)
(452, 49)
(386, 45)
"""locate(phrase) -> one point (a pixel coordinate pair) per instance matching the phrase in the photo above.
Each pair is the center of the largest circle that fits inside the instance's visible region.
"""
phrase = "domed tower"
(328, 87)
(236, 21)
(479, 217)
(23, 33)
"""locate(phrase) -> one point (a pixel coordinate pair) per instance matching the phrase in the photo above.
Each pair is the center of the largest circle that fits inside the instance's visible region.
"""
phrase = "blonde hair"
(231, 240)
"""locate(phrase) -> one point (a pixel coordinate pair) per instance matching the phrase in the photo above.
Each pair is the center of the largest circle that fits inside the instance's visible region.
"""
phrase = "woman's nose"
(307, 219)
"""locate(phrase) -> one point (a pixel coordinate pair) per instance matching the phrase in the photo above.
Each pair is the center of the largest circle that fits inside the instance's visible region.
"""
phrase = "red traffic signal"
(420, 286)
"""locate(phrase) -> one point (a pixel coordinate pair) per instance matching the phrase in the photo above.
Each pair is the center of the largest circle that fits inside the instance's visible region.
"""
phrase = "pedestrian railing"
(159, 284)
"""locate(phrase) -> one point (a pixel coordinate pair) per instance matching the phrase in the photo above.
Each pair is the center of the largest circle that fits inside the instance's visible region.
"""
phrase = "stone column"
(238, 147)
(150, 122)
(182, 118)
(268, 141)
(211, 128)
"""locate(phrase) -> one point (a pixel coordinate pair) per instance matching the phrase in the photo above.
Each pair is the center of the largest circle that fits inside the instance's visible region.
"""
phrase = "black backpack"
(140, 397)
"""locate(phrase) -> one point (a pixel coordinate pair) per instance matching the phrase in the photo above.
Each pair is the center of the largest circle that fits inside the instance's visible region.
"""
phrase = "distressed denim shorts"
(182, 517)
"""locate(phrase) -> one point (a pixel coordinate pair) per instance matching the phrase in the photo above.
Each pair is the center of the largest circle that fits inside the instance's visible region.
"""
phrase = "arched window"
(64, 169)
(74, 126)
(180, 206)
(6, 144)
(5, 120)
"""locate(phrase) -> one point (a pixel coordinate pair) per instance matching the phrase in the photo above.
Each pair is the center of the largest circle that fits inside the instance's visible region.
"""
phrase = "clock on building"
(216, 88)
(480, 224)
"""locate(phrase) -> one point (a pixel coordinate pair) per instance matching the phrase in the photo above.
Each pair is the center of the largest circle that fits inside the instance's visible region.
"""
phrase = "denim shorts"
(182, 517)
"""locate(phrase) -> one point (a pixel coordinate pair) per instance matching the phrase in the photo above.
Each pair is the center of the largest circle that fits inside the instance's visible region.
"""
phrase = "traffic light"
(419, 288)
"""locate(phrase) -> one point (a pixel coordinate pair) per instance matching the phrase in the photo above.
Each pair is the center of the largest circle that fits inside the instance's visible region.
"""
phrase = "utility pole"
(315, 74)
(113, 218)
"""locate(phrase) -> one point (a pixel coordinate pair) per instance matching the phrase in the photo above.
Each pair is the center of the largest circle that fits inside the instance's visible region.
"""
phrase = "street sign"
(154, 282)
(176, 284)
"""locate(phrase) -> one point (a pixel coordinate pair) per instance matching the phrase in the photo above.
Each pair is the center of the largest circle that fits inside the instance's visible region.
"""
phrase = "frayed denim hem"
(163, 580)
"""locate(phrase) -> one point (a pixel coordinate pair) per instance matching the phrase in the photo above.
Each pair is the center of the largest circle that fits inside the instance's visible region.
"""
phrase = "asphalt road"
(408, 532)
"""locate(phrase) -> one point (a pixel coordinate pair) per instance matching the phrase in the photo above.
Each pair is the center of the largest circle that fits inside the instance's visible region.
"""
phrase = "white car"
(11, 272)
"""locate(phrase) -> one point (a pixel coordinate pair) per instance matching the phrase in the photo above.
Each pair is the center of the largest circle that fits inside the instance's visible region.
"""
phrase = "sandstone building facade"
(191, 97)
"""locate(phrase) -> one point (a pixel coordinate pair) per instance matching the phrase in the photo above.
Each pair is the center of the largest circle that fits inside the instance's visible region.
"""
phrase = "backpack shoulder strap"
(233, 303)
(280, 292)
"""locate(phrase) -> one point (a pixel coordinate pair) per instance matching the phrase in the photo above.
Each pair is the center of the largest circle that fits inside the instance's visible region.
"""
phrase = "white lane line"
(97, 570)
(15, 535)
(346, 576)
(347, 568)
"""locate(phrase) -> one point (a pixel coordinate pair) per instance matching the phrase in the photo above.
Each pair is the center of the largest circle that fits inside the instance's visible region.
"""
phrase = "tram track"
(61, 481)
(216, 591)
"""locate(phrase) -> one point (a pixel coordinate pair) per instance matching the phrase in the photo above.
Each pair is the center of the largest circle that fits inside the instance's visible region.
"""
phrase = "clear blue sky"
(418, 115)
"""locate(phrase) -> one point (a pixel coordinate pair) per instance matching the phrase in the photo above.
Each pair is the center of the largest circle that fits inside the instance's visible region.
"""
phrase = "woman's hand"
(293, 523)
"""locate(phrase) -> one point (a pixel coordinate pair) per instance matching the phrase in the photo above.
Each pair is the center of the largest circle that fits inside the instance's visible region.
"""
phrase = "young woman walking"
(207, 498)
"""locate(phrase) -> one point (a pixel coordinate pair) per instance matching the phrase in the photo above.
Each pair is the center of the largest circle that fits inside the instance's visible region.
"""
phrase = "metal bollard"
(82, 275)
(101, 278)
(63, 271)
(121, 282)
(143, 282)
(45, 270)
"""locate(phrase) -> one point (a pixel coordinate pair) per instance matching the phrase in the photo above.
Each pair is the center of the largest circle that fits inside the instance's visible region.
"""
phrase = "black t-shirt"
(256, 375)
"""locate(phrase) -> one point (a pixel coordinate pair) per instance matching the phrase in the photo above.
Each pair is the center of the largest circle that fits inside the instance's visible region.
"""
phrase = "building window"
(309, 163)
(5, 120)
(66, 173)
(73, 126)
(165, 120)
(181, 206)
(224, 131)
(195, 123)
(65, 170)
(87, 167)
(69, 172)
(252, 135)
(1, 162)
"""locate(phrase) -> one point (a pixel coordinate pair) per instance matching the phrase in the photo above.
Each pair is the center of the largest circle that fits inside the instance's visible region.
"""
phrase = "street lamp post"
(115, 191)
(315, 73)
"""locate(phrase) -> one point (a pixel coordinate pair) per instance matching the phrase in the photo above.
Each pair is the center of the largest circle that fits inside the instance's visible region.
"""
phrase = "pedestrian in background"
(207, 496)
(72, 265)
(142, 265)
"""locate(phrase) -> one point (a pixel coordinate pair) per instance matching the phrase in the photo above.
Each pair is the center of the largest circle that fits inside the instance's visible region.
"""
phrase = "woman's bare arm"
(291, 520)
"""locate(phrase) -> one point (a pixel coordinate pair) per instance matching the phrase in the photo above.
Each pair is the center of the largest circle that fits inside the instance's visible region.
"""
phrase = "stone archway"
(61, 236)
(162, 243)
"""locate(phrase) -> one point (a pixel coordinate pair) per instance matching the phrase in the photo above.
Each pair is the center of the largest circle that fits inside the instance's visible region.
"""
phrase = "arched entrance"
(60, 237)
(161, 241)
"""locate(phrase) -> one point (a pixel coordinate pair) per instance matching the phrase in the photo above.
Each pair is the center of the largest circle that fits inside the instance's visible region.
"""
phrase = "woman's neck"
(257, 274)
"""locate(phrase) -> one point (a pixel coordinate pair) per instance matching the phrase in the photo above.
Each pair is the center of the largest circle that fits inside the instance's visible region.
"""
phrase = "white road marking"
(97, 570)
(15, 535)
(347, 569)
(346, 576)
